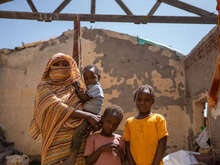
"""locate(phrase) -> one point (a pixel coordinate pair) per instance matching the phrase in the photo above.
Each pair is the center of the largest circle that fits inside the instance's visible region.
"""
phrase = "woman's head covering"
(52, 74)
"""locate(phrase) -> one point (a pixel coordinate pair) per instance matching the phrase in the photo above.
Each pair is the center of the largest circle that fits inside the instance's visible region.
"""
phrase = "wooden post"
(76, 41)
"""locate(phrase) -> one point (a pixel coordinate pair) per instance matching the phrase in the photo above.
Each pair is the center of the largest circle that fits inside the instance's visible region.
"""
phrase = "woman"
(56, 110)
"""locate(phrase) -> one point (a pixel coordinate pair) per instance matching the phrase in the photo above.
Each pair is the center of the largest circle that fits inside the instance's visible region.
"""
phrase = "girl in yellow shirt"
(145, 134)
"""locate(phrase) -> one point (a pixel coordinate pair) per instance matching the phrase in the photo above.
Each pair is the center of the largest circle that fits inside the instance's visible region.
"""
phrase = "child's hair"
(141, 89)
(96, 69)
(113, 110)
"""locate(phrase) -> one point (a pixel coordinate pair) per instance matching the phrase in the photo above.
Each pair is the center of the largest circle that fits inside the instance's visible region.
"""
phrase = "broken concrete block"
(17, 160)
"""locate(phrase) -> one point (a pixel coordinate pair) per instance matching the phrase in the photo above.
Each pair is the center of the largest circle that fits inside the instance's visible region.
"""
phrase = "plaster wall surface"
(125, 65)
(200, 65)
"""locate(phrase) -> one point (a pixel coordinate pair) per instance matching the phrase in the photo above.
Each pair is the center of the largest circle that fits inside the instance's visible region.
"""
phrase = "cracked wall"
(130, 65)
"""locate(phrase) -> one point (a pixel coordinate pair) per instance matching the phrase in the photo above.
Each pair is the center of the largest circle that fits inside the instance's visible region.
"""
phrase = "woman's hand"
(94, 120)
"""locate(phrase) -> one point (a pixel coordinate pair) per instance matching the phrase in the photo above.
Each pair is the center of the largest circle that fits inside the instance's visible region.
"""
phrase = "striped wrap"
(55, 101)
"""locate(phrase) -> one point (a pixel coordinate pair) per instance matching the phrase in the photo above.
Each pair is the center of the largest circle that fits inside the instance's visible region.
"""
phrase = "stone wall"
(125, 65)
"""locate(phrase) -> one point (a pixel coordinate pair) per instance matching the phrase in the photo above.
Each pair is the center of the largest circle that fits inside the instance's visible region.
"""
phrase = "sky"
(181, 37)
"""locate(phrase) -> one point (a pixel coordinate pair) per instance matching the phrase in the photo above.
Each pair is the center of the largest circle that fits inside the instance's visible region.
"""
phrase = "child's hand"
(78, 90)
(109, 147)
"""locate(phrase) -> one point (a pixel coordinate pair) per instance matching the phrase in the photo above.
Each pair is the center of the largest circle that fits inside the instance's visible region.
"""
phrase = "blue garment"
(97, 98)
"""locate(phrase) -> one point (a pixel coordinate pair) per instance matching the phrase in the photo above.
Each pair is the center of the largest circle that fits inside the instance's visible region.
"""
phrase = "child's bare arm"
(83, 96)
(80, 92)
(121, 154)
(161, 148)
(93, 157)
(128, 154)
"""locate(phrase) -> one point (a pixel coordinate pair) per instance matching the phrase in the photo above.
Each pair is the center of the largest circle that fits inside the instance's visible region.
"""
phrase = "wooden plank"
(124, 7)
(76, 38)
(93, 5)
(108, 18)
(188, 7)
(31, 4)
(4, 1)
(61, 6)
(154, 8)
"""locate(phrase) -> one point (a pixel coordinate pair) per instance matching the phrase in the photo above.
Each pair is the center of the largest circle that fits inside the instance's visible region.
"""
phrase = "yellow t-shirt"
(143, 135)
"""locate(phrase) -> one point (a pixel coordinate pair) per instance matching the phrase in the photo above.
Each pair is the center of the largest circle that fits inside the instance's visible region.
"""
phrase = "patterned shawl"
(54, 103)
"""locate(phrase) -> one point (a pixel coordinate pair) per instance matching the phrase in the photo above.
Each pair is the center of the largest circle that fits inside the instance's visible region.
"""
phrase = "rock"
(17, 160)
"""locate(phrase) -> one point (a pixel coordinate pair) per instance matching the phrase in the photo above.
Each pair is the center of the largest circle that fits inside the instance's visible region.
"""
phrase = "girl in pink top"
(106, 147)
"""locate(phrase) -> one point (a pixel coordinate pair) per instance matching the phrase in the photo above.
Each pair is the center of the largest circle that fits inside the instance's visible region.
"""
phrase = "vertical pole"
(76, 41)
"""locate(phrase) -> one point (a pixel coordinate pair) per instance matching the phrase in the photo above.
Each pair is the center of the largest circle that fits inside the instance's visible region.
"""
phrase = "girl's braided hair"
(143, 88)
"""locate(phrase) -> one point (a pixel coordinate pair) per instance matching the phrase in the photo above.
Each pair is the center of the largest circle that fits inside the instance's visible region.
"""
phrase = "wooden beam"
(4, 1)
(31, 4)
(76, 40)
(108, 18)
(154, 8)
(93, 5)
(124, 7)
(189, 8)
(61, 6)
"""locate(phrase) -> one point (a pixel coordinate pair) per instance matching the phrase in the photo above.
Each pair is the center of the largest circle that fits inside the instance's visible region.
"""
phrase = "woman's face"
(61, 63)
(59, 70)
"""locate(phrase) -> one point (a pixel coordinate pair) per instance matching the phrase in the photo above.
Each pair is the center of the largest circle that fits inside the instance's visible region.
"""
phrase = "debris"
(202, 139)
(6, 148)
(17, 160)
(181, 158)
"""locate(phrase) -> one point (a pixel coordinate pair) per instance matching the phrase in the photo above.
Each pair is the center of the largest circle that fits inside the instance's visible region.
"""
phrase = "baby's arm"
(161, 148)
(128, 154)
(83, 96)
(93, 157)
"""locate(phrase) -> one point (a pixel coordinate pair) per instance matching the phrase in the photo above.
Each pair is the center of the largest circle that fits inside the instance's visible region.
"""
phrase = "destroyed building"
(181, 82)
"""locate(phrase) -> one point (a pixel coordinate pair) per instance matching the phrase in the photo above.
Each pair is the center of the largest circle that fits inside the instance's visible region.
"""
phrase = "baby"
(93, 99)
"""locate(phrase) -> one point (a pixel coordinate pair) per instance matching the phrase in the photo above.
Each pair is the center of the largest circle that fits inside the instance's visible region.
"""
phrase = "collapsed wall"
(199, 71)
(125, 65)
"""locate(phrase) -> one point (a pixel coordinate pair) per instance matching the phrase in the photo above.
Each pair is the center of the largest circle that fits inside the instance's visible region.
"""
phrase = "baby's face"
(90, 77)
